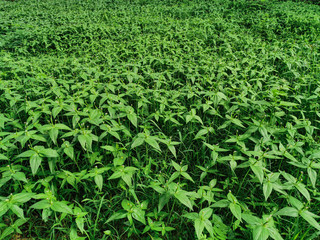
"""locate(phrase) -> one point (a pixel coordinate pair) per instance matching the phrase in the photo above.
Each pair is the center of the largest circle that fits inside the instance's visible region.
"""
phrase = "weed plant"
(149, 119)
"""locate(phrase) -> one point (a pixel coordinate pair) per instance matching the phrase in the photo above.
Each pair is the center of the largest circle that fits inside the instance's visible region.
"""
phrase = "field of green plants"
(148, 119)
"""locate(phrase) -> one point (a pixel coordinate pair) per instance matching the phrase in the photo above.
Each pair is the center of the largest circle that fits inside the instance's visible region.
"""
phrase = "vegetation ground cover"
(167, 119)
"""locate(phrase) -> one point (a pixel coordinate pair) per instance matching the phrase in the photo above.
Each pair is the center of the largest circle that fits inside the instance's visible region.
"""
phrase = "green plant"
(167, 119)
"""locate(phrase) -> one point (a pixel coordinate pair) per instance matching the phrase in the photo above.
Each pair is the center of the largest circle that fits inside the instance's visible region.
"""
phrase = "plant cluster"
(149, 119)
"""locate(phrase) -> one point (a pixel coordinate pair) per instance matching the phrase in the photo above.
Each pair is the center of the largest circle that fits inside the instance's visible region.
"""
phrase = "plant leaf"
(99, 181)
(260, 233)
(116, 216)
(138, 214)
(183, 198)
(17, 210)
(61, 207)
(20, 176)
(3, 157)
(152, 142)
(22, 197)
(43, 204)
(267, 189)
(49, 153)
(236, 210)
(35, 162)
(199, 226)
(313, 176)
(69, 151)
(3, 208)
(288, 211)
(137, 142)
(308, 216)
(302, 189)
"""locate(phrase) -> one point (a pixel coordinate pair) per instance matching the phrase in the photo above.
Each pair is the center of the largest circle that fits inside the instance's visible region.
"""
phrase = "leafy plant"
(207, 111)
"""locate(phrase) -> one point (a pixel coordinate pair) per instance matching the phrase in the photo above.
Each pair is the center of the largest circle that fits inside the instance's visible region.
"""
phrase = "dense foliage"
(150, 119)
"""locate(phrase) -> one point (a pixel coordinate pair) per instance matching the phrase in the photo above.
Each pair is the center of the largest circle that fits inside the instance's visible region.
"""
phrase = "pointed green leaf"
(173, 150)
(176, 166)
(6, 232)
(137, 142)
(313, 176)
(152, 142)
(20, 176)
(206, 213)
(53, 133)
(35, 162)
(267, 189)
(133, 119)
(199, 226)
(173, 176)
(192, 216)
(99, 181)
(116, 216)
(3, 208)
(22, 197)
(208, 226)
(17, 210)
(69, 151)
(187, 176)
(138, 214)
(183, 198)
(61, 207)
(260, 233)
(274, 233)
(49, 153)
(116, 175)
(295, 202)
(80, 223)
(302, 189)
(258, 171)
(236, 210)
(43, 204)
(3, 157)
(288, 211)
(201, 133)
(308, 216)
(82, 140)
(28, 153)
(252, 220)
(163, 200)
